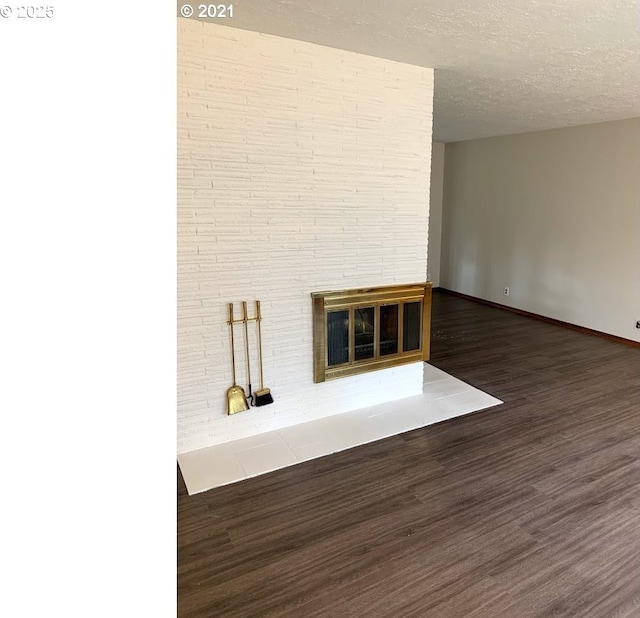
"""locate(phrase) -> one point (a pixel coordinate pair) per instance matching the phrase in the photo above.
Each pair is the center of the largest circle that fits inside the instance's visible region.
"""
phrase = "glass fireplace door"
(368, 329)
(364, 333)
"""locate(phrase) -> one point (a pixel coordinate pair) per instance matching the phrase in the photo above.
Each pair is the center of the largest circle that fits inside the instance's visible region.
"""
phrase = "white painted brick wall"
(301, 168)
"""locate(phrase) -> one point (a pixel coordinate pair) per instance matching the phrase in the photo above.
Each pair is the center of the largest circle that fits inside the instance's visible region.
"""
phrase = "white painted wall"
(554, 215)
(435, 212)
(301, 168)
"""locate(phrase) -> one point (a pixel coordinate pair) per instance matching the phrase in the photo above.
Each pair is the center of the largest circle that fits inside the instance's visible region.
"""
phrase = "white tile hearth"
(443, 397)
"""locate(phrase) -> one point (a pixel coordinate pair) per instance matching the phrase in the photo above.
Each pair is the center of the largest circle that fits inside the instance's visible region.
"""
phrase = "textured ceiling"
(502, 66)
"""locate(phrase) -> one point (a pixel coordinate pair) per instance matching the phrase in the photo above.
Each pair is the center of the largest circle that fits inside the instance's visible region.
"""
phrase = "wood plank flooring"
(529, 509)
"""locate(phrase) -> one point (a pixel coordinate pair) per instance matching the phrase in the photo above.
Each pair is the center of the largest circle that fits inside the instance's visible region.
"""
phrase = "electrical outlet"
(637, 323)
(506, 291)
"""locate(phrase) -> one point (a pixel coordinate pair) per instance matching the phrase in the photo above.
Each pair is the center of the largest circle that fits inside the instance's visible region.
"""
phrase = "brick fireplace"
(301, 168)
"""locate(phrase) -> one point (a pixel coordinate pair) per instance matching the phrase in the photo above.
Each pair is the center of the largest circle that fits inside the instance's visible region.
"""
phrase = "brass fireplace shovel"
(236, 398)
(263, 396)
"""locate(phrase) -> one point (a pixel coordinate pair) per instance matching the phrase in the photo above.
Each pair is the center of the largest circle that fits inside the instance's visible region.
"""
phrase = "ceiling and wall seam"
(501, 66)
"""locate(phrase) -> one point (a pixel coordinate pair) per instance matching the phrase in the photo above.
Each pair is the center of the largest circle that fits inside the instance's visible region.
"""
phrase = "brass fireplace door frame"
(324, 302)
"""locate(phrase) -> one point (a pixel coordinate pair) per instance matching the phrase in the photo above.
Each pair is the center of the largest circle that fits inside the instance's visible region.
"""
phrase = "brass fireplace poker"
(245, 321)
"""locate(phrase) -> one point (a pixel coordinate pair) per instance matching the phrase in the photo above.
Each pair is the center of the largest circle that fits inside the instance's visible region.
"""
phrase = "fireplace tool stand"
(237, 399)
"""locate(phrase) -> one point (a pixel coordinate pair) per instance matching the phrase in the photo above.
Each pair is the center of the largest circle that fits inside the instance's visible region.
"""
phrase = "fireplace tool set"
(237, 398)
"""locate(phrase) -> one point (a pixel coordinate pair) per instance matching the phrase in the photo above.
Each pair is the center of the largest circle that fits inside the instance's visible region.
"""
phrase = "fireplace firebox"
(361, 330)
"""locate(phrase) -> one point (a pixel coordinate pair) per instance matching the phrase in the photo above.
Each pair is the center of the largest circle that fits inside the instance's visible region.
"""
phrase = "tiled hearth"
(443, 397)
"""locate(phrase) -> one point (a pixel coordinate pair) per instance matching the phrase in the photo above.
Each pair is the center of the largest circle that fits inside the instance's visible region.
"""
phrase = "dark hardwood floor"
(525, 510)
